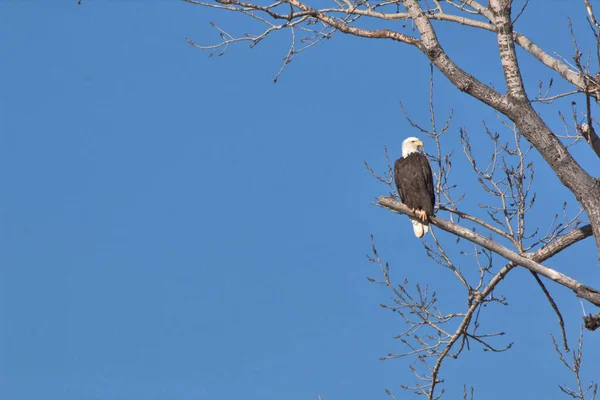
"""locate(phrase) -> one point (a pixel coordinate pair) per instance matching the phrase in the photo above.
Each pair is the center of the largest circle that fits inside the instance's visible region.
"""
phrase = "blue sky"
(176, 226)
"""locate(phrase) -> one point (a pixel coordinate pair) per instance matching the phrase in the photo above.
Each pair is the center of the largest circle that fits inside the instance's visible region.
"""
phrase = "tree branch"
(508, 56)
(563, 70)
(527, 260)
(467, 320)
(591, 137)
(343, 27)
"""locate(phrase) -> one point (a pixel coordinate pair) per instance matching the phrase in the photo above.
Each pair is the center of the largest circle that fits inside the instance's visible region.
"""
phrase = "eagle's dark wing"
(429, 181)
(398, 178)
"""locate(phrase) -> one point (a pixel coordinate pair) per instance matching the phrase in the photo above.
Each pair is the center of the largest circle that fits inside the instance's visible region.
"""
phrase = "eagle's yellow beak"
(419, 143)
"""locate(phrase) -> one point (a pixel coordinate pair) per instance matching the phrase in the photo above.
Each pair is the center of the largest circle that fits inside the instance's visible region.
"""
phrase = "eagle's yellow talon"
(422, 215)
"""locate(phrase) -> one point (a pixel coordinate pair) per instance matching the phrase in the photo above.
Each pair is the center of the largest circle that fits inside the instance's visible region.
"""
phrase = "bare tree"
(503, 239)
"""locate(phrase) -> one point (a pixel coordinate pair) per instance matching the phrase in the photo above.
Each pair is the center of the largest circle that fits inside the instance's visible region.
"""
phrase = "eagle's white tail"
(419, 229)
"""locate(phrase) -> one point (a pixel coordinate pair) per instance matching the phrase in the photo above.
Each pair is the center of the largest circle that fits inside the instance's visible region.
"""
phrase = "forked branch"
(528, 260)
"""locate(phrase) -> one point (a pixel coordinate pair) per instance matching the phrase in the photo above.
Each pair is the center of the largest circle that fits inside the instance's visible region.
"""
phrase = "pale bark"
(501, 10)
(591, 137)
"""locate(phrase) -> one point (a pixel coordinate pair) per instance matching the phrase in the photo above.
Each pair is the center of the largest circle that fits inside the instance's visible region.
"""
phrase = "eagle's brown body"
(414, 181)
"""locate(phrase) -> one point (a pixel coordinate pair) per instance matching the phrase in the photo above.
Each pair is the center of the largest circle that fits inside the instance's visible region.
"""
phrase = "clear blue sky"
(176, 226)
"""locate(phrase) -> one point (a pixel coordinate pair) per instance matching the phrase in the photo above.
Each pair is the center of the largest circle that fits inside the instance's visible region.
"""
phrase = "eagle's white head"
(411, 145)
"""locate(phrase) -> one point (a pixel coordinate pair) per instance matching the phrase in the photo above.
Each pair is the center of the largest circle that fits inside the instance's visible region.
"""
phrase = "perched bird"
(414, 181)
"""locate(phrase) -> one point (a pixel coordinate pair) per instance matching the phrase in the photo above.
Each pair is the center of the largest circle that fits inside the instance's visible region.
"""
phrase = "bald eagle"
(414, 181)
